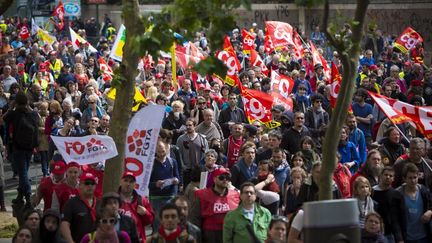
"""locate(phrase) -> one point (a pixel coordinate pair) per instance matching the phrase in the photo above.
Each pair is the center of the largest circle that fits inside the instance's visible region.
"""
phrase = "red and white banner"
(257, 105)
(229, 58)
(24, 33)
(188, 55)
(248, 41)
(319, 59)
(256, 60)
(281, 84)
(87, 149)
(298, 47)
(278, 99)
(336, 80)
(280, 34)
(106, 70)
(141, 141)
(408, 39)
(399, 112)
(58, 16)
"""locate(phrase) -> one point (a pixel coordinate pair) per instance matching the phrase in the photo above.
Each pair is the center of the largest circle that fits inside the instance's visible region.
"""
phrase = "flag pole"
(405, 137)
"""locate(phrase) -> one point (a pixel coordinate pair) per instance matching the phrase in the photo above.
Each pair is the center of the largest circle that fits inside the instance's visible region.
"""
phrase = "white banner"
(87, 149)
(141, 141)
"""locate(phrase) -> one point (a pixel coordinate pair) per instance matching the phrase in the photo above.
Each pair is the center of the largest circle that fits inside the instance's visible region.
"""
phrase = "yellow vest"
(56, 68)
(3, 27)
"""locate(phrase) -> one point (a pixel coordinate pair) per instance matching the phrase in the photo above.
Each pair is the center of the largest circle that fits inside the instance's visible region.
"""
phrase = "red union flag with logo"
(399, 112)
(24, 33)
(58, 16)
(408, 39)
(281, 84)
(106, 70)
(257, 105)
(255, 60)
(334, 85)
(229, 58)
(141, 141)
(248, 41)
(280, 34)
(87, 149)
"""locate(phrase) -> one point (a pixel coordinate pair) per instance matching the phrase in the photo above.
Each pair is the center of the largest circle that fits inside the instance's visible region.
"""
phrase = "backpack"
(26, 132)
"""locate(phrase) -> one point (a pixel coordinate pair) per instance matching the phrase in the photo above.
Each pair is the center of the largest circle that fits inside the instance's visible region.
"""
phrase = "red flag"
(408, 39)
(335, 85)
(278, 99)
(257, 105)
(106, 70)
(280, 34)
(188, 55)
(255, 60)
(399, 112)
(229, 58)
(24, 33)
(248, 41)
(298, 47)
(268, 44)
(281, 84)
(58, 16)
(319, 59)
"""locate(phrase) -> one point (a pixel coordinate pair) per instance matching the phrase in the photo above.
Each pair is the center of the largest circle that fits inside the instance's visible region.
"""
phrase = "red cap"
(408, 63)
(20, 64)
(54, 53)
(68, 43)
(158, 75)
(73, 164)
(58, 168)
(373, 67)
(88, 176)
(129, 174)
(220, 171)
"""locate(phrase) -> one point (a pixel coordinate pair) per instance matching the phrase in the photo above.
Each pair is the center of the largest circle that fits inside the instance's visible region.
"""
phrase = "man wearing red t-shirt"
(68, 189)
(46, 186)
(135, 206)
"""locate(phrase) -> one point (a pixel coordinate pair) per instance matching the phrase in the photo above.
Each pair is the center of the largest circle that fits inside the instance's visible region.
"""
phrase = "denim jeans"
(22, 160)
(44, 162)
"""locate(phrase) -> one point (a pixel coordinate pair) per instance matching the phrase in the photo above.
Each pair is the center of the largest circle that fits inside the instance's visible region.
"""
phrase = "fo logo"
(139, 141)
(93, 145)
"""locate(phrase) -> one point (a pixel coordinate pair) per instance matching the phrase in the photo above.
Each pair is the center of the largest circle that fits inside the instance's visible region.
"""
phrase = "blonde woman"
(81, 76)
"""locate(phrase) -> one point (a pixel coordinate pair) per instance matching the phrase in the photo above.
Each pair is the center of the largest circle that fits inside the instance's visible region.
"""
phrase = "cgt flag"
(281, 84)
(399, 112)
(248, 41)
(279, 34)
(408, 40)
(86, 150)
(58, 16)
(229, 58)
(141, 142)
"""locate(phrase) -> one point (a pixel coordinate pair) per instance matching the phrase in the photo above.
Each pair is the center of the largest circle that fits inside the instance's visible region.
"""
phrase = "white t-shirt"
(297, 222)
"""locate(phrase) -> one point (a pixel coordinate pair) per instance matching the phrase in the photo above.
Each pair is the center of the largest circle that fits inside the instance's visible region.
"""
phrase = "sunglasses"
(92, 102)
(224, 177)
(318, 101)
(280, 218)
(201, 103)
(89, 183)
(95, 120)
(111, 221)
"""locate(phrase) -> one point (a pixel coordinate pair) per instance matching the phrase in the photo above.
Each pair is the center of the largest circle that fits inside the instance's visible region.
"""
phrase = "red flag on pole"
(255, 60)
(281, 84)
(334, 85)
(257, 105)
(408, 40)
(248, 41)
(58, 16)
(229, 58)
(280, 34)
(106, 70)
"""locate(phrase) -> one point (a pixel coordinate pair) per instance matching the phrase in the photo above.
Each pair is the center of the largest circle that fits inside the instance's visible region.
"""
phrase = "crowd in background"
(256, 178)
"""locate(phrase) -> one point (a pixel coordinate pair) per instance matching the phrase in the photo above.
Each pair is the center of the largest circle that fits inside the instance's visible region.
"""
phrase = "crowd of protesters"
(256, 178)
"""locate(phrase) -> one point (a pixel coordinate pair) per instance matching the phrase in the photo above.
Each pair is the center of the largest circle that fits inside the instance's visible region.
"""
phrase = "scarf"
(233, 150)
(91, 208)
(171, 236)
(107, 236)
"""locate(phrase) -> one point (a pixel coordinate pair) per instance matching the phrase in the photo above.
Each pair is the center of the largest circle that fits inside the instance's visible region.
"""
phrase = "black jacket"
(225, 117)
(128, 225)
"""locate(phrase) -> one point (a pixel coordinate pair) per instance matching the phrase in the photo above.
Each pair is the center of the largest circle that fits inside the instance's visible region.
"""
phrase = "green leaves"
(211, 65)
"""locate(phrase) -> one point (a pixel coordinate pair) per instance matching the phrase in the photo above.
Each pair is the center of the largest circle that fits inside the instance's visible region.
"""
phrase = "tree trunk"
(349, 57)
(124, 96)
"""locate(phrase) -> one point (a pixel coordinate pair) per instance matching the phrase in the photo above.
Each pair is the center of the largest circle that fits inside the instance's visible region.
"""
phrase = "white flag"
(142, 136)
(77, 39)
(87, 149)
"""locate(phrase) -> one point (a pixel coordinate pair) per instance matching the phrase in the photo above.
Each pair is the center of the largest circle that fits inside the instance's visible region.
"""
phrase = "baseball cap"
(220, 171)
(278, 108)
(88, 176)
(58, 168)
(129, 174)
(73, 164)
(42, 67)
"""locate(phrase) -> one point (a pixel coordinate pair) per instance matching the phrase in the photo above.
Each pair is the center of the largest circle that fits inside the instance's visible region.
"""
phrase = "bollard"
(331, 221)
